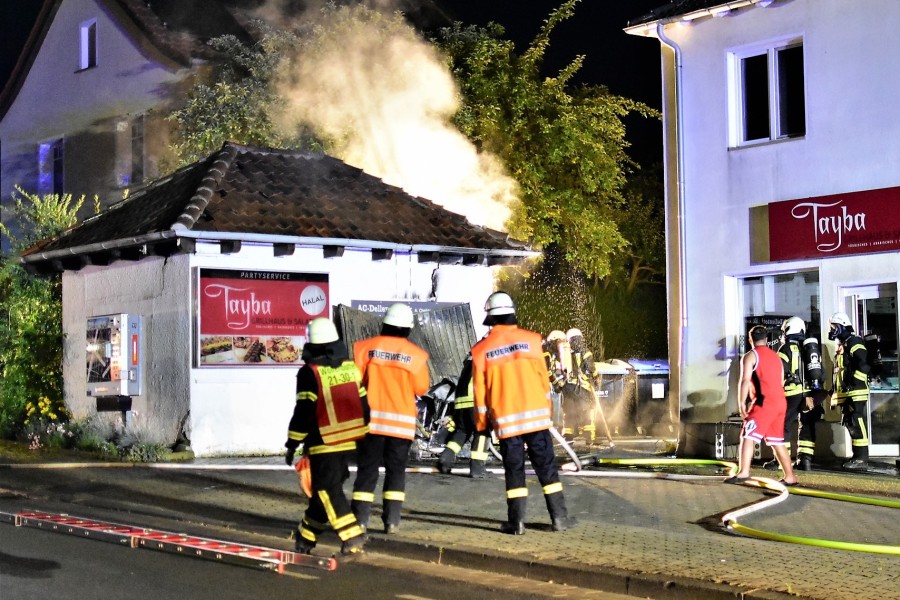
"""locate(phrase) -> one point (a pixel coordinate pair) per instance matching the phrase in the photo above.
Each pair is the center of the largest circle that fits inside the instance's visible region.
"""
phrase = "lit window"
(768, 98)
(88, 44)
(50, 167)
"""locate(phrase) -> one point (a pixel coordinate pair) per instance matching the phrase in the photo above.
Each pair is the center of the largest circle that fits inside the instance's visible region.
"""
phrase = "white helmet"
(793, 326)
(399, 315)
(499, 303)
(840, 318)
(322, 331)
(555, 336)
(572, 333)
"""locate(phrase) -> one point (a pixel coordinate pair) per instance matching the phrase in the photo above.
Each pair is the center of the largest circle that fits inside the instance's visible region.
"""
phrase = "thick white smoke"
(385, 98)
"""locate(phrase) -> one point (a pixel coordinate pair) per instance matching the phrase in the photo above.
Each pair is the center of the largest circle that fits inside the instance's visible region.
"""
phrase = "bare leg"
(784, 459)
(746, 458)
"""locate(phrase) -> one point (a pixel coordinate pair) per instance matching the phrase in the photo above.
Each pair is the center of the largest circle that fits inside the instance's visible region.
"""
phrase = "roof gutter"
(215, 236)
(652, 27)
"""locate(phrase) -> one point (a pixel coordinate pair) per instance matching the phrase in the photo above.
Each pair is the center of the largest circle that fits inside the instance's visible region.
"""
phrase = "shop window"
(767, 93)
(770, 299)
(88, 45)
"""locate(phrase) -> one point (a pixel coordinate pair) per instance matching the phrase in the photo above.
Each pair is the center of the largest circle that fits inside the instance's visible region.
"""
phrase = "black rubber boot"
(804, 463)
(361, 510)
(559, 514)
(303, 546)
(445, 462)
(391, 516)
(515, 514)
(477, 469)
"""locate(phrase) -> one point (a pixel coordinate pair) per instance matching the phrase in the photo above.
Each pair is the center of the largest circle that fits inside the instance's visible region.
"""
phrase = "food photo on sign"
(251, 318)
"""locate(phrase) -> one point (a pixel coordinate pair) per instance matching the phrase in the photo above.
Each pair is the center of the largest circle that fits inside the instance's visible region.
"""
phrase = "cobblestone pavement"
(643, 535)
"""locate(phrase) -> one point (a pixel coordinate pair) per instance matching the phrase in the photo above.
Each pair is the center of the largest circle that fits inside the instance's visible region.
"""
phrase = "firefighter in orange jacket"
(512, 388)
(395, 371)
(330, 415)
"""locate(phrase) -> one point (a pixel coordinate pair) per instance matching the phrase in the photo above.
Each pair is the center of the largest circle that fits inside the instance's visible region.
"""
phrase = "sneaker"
(303, 546)
(856, 464)
(771, 465)
(513, 528)
(563, 523)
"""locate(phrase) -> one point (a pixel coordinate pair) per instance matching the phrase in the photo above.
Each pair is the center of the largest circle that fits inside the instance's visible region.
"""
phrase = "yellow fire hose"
(730, 520)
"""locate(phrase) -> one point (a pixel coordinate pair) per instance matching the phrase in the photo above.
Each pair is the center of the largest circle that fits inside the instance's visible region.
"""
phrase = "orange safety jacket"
(395, 371)
(510, 382)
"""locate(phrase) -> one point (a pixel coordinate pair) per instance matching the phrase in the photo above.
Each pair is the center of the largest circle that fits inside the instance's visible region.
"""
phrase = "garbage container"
(651, 386)
(615, 396)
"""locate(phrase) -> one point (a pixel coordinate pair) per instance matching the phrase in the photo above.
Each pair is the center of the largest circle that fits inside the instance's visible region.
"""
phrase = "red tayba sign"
(836, 225)
(257, 317)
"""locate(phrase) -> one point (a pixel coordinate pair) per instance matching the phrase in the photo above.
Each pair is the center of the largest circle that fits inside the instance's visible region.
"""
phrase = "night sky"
(627, 65)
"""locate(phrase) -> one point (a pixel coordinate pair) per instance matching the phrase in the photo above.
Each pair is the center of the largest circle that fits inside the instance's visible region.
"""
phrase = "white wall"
(232, 410)
(851, 144)
(58, 100)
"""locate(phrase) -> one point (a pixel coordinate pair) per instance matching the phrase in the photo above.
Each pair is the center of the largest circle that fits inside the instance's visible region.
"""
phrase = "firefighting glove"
(289, 456)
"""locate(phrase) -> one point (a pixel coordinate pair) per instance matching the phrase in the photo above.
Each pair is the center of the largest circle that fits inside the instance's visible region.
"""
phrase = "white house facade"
(781, 147)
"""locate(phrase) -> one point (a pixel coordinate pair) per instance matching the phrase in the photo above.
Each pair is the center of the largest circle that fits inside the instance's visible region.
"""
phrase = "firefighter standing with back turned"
(799, 400)
(330, 414)
(512, 387)
(850, 387)
(395, 371)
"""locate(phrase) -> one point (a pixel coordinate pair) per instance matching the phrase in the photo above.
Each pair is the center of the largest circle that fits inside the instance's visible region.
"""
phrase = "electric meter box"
(114, 355)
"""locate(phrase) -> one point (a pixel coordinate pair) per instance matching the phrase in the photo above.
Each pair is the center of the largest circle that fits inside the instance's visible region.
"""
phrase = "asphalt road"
(38, 565)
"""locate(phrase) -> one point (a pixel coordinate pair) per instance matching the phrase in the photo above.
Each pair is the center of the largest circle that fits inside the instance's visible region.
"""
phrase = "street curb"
(605, 579)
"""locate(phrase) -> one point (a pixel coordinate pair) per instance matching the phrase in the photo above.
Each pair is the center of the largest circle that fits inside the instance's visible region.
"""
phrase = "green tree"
(642, 223)
(31, 310)
(565, 145)
(235, 98)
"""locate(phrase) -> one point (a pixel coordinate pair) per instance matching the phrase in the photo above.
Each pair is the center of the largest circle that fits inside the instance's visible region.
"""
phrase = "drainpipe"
(675, 185)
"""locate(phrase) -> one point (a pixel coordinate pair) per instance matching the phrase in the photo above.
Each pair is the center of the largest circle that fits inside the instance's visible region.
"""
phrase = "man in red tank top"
(762, 404)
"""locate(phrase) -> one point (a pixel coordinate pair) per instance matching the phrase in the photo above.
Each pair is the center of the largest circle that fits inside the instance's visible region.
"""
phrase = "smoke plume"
(383, 98)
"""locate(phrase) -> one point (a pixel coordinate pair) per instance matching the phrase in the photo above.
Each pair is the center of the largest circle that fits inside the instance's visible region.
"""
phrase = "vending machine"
(114, 360)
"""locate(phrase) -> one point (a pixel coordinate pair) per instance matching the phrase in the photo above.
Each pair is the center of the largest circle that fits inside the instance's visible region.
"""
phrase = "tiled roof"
(677, 8)
(247, 191)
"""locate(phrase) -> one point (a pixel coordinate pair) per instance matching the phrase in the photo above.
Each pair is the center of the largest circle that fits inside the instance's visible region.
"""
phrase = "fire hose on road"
(576, 469)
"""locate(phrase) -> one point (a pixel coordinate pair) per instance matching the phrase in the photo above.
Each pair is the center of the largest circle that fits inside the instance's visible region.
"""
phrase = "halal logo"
(312, 300)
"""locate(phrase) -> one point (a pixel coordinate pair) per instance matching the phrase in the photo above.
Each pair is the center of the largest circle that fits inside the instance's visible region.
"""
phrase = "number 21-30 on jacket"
(395, 371)
(510, 382)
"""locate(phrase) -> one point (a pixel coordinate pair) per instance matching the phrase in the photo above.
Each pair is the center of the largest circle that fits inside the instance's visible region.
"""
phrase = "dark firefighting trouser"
(806, 443)
(463, 431)
(373, 451)
(853, 417)
(329, 505)
(577, 402)
(540, 451)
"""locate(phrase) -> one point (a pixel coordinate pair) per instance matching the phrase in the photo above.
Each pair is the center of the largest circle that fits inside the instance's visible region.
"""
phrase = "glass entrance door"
(874, 312)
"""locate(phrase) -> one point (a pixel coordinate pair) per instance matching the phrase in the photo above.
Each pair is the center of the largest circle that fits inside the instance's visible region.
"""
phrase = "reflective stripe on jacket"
(510, 382)
(339, 410)
(852, 379)
(330, 413)
(395, 371)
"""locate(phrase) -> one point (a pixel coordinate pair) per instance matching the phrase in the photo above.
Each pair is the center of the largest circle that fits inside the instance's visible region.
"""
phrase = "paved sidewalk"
(642, 534)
